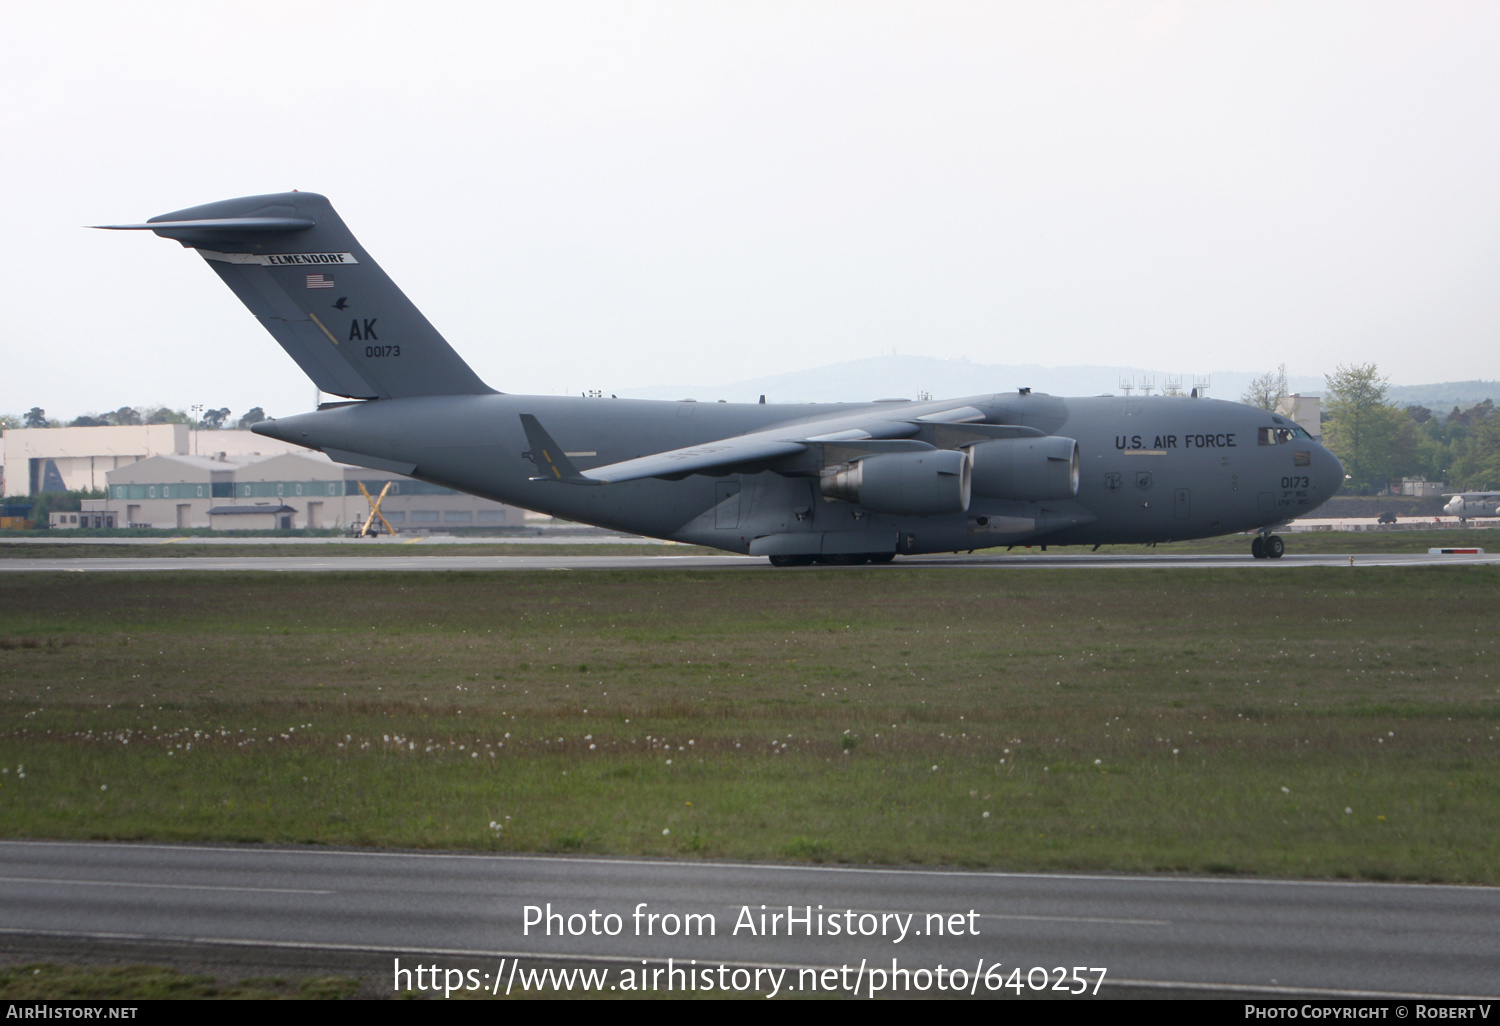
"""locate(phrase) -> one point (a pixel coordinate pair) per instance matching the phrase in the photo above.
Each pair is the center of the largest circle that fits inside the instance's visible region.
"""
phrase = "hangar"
(304, 489)
(78, 458)
(170, 476)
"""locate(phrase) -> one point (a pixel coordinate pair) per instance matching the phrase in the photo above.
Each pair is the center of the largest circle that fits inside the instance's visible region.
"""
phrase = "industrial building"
(1306, 410)
(291, 490)
(93, 514)
(78, 458)
(171, 476)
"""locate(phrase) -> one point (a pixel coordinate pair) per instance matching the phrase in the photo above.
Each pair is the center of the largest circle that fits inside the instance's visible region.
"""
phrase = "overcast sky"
(622, 194)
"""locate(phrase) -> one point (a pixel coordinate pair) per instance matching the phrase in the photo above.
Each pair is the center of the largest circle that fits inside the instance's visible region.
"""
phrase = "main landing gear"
(1267, 546)
(840, 559)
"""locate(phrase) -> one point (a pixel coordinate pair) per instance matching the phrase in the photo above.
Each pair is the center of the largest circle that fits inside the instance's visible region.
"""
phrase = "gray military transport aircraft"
(1472, 504)
(800, 483)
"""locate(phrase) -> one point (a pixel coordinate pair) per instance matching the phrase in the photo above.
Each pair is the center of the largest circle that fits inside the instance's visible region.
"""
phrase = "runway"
(1150, 934)
(425, 563)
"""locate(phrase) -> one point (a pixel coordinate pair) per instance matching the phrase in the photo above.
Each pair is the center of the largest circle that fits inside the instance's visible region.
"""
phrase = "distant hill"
(1446, 395)
(900, 376)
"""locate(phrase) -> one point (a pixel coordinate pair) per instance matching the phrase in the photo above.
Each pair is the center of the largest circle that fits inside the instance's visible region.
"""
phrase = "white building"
(1418, 487)
(77, 458)
(93, 514)
(179, 491)
(171, 490)
(1306, 410)
(259, 516)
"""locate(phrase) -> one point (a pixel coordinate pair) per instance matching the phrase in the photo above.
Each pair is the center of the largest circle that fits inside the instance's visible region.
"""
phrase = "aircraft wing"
(756, 447)
(694, 459)
(858, 430)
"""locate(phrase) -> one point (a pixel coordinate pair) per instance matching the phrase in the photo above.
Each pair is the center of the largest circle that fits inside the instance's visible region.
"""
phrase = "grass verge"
(53, 981)
(1329, 723)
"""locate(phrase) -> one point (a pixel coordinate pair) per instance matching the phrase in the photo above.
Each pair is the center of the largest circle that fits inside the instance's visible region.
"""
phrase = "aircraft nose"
(1328, 473)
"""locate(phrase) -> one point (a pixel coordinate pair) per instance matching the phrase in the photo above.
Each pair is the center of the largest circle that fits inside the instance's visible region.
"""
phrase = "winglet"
(549, 456)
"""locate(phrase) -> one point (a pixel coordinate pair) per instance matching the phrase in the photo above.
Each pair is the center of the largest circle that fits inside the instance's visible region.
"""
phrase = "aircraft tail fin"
(290, 258)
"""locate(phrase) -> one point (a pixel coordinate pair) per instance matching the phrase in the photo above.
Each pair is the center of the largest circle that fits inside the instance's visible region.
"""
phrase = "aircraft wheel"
(1257, 547)
(791, 560)
(1275, 547)
(846, 559)
(882, 557)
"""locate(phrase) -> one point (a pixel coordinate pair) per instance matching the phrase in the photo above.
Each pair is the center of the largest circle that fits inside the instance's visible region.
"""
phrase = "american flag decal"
(320, 281)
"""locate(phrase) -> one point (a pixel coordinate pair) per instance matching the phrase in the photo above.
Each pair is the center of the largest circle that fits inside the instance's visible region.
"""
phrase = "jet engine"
(1026, 469)
(930, 481)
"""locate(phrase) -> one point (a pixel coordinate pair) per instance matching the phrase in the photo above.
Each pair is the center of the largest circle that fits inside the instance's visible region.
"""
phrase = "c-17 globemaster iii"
(799, 483)
(1472, 504)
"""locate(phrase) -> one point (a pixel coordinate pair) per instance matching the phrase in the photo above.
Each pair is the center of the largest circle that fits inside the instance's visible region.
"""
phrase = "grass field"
(1323, 722)
(51, 981)
(1309, 542)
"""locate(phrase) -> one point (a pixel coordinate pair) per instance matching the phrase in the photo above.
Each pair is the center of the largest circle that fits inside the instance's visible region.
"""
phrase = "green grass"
(1221, 721)
(1311, 542)
(52, 981)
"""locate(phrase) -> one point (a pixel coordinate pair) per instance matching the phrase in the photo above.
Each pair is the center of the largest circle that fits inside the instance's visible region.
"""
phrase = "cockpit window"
(1279, 435)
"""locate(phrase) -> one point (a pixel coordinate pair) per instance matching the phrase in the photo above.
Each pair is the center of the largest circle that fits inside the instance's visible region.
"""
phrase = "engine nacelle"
(1026, 469)
(930, 481)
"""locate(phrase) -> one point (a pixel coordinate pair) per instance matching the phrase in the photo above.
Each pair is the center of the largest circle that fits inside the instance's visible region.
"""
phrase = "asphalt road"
(1151, 934)
(714, 562)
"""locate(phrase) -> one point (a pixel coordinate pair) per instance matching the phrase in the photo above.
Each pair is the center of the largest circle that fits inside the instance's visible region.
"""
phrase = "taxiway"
(1152, 934)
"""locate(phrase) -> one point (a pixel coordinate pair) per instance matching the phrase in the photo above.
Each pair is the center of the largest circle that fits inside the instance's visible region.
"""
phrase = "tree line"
(1379, 441)
(199, 418)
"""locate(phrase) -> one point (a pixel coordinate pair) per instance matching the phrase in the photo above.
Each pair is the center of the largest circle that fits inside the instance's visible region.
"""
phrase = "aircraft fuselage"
(1151, 469)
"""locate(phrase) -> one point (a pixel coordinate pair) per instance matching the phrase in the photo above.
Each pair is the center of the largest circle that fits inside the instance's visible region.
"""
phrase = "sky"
(625, 194)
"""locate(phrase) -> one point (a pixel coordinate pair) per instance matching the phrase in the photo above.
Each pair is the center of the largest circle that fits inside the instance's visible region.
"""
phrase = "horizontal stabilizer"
(221, 224)
(551, 462)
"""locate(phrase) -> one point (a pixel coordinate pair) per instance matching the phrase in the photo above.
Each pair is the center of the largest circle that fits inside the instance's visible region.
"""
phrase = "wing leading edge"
(853, 432)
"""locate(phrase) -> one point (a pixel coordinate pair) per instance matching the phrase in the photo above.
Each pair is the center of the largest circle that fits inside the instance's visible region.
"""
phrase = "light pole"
(197, 411)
